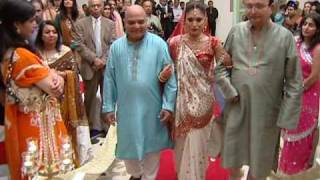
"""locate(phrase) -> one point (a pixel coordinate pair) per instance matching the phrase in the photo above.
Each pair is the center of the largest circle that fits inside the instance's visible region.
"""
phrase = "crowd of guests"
(154, 71)
(291, 16)
(297, 152)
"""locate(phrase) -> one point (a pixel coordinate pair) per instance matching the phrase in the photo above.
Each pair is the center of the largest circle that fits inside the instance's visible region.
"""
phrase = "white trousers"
(147, 168)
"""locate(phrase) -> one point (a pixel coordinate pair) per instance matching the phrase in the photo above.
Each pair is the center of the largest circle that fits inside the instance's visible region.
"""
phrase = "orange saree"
(29, 112)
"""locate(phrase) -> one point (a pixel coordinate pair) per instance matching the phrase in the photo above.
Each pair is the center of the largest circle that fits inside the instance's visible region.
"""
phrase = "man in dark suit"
(165, 12)
(94, 34)
(212, 14)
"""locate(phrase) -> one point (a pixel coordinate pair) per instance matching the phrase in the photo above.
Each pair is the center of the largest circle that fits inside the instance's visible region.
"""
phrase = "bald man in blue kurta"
(132, 84)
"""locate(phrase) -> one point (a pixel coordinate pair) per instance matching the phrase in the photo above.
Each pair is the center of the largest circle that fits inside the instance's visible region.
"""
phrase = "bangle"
(161, 79)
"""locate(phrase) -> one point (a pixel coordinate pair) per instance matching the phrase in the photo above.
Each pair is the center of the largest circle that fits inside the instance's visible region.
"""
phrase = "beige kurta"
(269, 82)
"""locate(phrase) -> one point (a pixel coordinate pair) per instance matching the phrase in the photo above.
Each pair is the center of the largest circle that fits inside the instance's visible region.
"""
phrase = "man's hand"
(165, 116)
(111, 118)
(98, 63)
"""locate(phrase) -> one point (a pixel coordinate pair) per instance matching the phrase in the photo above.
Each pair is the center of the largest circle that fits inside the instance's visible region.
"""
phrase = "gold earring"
(204, 27)
(18, 30)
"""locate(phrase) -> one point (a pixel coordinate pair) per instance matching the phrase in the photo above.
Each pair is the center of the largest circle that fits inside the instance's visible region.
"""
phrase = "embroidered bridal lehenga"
(195, 102)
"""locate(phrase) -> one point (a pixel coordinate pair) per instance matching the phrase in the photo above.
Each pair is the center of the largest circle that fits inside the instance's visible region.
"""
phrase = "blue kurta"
(131, 81)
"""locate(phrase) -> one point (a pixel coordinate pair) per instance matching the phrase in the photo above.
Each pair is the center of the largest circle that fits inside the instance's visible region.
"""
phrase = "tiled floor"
(116, 171)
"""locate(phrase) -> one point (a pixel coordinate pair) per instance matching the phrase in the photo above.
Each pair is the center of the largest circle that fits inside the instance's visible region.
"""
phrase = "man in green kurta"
(267, 83)
(153, 22)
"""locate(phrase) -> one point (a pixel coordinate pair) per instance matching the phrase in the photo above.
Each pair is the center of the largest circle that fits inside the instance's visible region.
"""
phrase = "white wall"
(80, 2)
(225, 19)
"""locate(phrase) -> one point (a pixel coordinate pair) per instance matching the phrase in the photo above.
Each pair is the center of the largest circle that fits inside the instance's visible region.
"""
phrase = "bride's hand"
(166, 73)
(227, 62)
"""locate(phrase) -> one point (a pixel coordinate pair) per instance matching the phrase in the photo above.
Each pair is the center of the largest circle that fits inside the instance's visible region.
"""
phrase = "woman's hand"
(166, 73)
(57, 85)
(227, 62)
(53, 84)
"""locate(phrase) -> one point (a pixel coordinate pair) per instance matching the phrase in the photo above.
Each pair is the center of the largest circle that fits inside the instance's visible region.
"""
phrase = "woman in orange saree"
(31, 108)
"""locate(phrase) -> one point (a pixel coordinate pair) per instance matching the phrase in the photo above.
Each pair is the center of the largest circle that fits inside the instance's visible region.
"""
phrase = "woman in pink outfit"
(115, 17)
(297, 151)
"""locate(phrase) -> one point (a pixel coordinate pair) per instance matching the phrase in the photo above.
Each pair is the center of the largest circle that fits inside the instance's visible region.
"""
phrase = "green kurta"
(269, 83)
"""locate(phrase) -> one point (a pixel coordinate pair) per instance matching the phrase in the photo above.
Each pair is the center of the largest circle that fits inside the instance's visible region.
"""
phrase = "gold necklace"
(195, 45)
(49, 57)
(198, 39)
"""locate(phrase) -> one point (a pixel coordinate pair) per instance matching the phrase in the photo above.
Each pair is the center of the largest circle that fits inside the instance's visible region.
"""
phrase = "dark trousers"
(91, 102)
(212, 27)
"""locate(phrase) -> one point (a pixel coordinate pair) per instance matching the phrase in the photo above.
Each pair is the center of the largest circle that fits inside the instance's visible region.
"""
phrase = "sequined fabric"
(195, 100)
(35, 115)
(298, 143)
(71, 106)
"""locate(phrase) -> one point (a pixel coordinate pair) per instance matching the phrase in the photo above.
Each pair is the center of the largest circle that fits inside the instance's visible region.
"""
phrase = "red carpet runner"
(167, 168)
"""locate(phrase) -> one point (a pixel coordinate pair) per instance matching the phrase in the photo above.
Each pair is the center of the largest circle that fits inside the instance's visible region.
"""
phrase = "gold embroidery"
(195, 94)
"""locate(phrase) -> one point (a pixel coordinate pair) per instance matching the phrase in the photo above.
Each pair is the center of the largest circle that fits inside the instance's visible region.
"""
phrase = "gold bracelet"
(161, 79)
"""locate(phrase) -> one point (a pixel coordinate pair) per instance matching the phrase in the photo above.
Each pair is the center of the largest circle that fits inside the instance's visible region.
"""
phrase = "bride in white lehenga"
(194, 53)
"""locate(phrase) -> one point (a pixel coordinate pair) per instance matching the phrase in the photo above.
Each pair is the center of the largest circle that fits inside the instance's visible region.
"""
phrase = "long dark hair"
(304, 13)
(317, 5)
(74, 10)
(39, 41)
(11, 12)
(316, 38)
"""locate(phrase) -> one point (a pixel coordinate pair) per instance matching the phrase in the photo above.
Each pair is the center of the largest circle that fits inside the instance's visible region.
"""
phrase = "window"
(239, 11)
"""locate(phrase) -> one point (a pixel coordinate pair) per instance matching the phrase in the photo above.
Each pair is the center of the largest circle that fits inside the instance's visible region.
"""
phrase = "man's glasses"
(250, 7)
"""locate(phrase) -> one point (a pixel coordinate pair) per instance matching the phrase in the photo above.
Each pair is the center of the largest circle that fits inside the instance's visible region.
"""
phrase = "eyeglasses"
(95, 5)
(250, 7)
